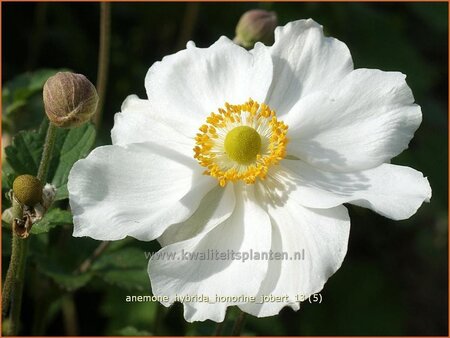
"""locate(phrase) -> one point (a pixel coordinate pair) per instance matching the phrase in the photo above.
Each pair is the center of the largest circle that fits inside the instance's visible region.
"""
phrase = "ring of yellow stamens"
(241, 142)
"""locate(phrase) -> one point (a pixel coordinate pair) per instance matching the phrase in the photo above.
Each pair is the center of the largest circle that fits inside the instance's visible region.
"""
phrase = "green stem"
(103, 58)
(219, 328)
(87, 263)
(47, 153)
(70, 315)
(21, 247)
(41, 304)
(14, 281)
(14, 263)
(35, 42)
(238, 324)
(188, 25)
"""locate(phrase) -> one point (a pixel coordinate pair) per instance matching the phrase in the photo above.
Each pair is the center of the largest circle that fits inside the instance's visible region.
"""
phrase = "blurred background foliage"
(394, 278)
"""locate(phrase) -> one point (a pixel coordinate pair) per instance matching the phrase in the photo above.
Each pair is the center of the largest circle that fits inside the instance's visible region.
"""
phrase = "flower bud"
(256, 25)
(70, 99)
(27, 190)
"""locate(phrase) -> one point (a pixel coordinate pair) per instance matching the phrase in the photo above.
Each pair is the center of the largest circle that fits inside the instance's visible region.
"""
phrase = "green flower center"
(242, 144)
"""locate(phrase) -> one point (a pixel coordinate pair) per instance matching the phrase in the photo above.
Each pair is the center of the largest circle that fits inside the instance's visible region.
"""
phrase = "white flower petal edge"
(197, 81)
(140, 121)
(367, 119)
(247, 228)
(322, 234)
(304, 61)
(390, 190)
(107, 204)
(214, 208)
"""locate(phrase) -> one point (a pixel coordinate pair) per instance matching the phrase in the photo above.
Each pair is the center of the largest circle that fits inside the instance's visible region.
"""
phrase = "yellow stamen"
(241, 142)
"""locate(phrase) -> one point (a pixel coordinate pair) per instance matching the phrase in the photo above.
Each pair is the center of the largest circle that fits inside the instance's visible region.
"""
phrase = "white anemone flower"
(251, 152)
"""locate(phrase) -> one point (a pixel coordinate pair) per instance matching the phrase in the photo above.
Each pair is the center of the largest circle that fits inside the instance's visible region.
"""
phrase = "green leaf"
(129, 279)
(60, 274)
(76, 144)
(62, 193)
(69, 282)
(61, 259)
(126, 268)
(51, 219)
(7, 178)
(24, 154)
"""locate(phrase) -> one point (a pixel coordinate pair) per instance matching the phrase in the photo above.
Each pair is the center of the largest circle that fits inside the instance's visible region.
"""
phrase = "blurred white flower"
(237, 150)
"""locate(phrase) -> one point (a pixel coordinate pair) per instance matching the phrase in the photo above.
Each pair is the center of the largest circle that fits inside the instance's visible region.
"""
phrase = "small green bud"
(27, 190)
(256, 25)
(70, 99)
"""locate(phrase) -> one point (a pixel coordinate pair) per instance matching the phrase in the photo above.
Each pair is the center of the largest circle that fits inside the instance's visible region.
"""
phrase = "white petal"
(197, 81)
(140, 121)
(369, 118)
(214, 209)
(390, 190)
(319, 236)
(248, 228)
(135, 191)
(304, 61)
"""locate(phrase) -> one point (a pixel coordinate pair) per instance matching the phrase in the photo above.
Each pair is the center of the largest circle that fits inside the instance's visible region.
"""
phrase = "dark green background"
(394, 278)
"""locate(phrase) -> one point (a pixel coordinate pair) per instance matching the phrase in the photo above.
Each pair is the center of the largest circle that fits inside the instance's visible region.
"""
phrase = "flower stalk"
(18, 261)
(219, 328)
(47, 153)
(238, 324)
(86, 265)
(103, 58)
(9, 283)
(14, 281)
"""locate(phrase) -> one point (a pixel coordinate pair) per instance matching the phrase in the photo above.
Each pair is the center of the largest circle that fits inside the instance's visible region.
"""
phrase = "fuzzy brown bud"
(70, 99)
(27, 190)
(256, 25)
